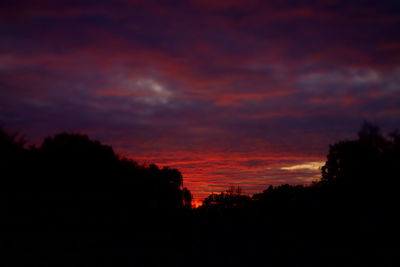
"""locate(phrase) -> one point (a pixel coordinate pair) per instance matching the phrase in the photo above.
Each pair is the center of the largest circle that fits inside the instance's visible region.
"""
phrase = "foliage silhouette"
(75, 193)
(231, 198)
(348, 218)
(73, 202)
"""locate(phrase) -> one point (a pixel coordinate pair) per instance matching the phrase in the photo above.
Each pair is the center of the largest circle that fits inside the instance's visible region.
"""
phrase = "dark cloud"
(230, 92)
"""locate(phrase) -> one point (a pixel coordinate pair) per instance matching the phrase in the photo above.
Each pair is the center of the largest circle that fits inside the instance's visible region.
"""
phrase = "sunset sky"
(239, 92)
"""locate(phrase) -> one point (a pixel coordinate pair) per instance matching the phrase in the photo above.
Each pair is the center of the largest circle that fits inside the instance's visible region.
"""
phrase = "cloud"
(159, 94)
(230, 92)
(304, 166)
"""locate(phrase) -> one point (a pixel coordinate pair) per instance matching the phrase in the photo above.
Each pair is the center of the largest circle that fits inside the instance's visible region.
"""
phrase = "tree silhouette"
(73, 201)
(231, 198)
(362, 162)
(346, 218)
(72, 192)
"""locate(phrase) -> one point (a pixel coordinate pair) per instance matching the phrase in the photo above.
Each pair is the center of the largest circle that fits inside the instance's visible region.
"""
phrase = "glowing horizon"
(229, 92)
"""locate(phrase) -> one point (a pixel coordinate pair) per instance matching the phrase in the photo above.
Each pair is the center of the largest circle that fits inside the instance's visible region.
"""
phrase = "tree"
(230, 198)
(356, 162)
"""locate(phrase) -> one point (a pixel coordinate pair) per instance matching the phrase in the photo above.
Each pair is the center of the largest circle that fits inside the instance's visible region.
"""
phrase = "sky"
(239, 92)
